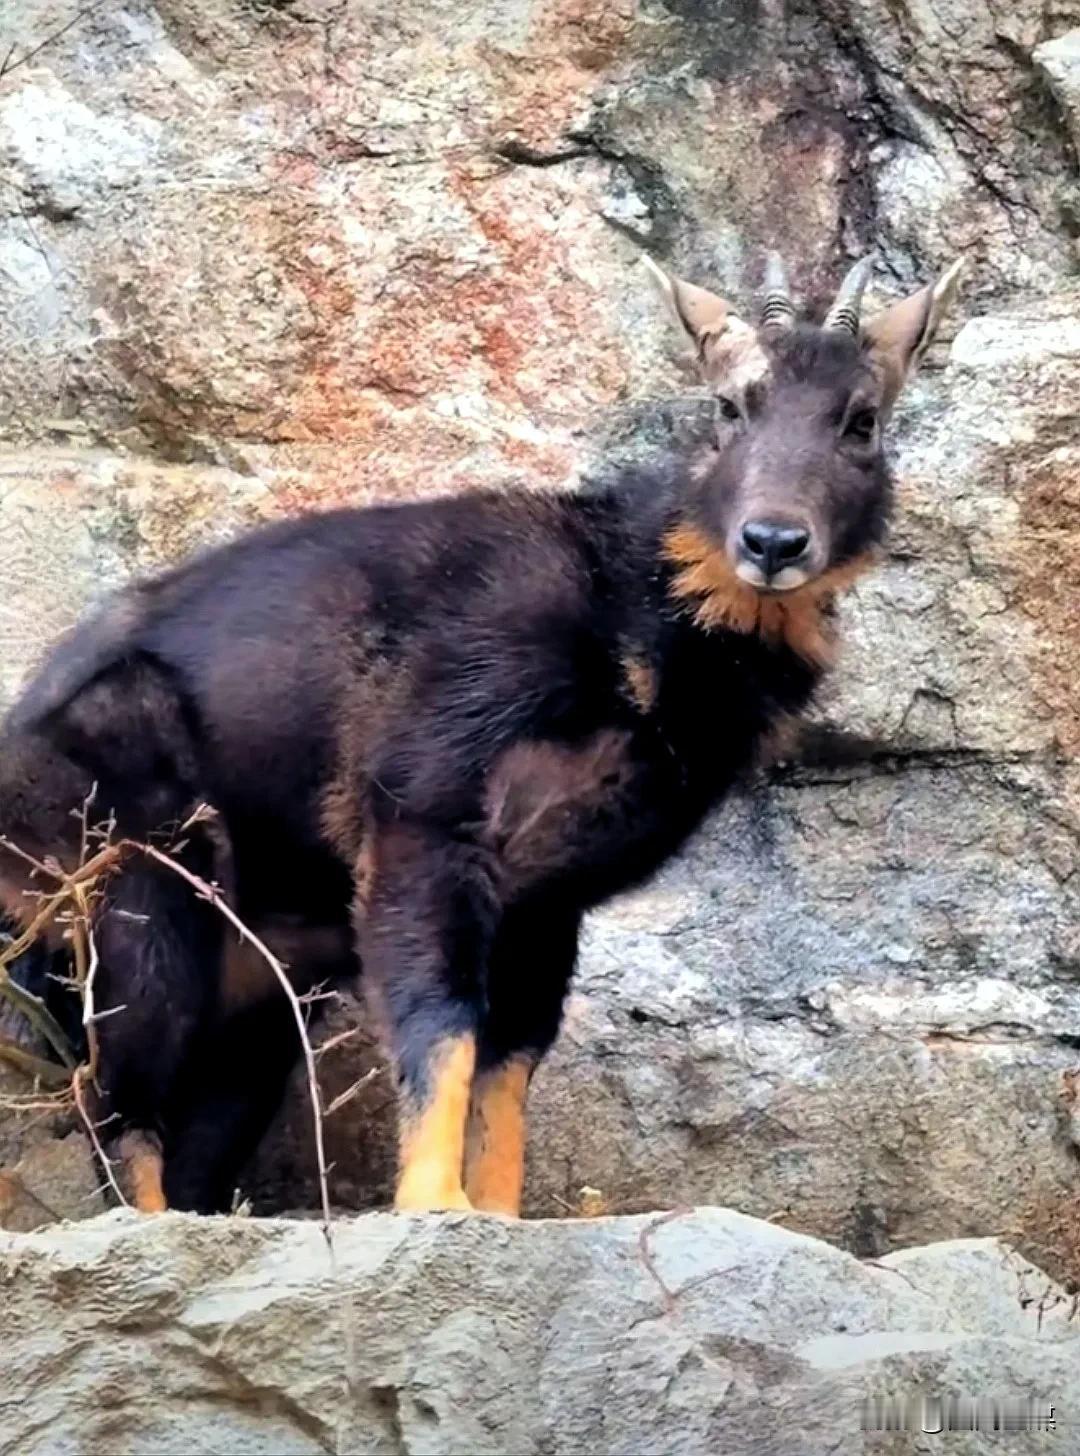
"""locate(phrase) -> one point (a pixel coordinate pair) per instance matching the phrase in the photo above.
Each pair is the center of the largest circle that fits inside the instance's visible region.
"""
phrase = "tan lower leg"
(495, 1152)
(432, 1138)
(143, 1167)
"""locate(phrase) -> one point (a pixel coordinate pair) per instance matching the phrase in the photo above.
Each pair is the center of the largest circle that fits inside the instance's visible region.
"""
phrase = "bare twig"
(90, 1016)
(86, 964)
(9, 65)
(89, 870)
(336, 1041)
(100, 1016)
(83, 816)
(210, 893)
(28, 937)
(351, 1091)
(16, 849)
(105, 1161)
(72, 887)
(201, 814)
(316, 994)
(45, 1104)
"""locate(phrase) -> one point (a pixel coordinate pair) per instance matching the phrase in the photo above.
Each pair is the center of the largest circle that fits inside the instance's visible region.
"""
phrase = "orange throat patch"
(706, 580)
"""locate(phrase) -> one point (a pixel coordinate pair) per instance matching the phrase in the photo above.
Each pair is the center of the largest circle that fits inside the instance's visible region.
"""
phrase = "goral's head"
(796, 495)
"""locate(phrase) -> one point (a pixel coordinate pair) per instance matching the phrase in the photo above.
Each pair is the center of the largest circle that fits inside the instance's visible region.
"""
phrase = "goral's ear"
(702, 314)
(898, 338)
(723, 341)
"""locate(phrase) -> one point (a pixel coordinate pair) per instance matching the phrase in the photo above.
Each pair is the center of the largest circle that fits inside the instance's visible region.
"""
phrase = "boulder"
(56, 1178)
(695, 1331)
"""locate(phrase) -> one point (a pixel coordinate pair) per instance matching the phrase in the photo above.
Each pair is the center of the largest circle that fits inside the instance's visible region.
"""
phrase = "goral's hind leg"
(142, 1165)
(424, 933)
(159, 950)
(122, 745)
(531, 963)
(230, 1092)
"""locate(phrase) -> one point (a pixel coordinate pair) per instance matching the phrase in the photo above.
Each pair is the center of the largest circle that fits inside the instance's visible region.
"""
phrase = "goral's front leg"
(495, 1148)
(433, 1108)
(532, 960)
(425, 928)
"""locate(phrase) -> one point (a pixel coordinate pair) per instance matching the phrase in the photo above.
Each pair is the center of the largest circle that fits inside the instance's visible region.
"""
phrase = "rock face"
(691, 1333)
(263, 256)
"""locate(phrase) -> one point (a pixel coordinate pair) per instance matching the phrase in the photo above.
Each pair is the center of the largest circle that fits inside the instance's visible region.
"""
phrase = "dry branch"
(74, 893)
(335, 1041)
(351, 1091)
(73, 896)
(103, 1158)
(210, 893)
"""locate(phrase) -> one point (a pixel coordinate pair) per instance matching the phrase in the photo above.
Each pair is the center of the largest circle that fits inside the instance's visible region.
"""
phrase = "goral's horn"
(843, 317)
(777, 309)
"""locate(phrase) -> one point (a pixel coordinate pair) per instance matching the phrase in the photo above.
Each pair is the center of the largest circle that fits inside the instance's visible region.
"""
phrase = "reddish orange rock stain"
(64, 482)
(1048, 568)
(518, 330)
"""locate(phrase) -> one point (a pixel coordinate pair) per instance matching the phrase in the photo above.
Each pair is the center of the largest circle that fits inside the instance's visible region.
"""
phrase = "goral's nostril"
(756, 538)
(772, 545)
(792, 544)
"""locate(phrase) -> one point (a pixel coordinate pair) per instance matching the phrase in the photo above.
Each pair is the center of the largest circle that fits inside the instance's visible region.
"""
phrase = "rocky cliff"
(258, 255)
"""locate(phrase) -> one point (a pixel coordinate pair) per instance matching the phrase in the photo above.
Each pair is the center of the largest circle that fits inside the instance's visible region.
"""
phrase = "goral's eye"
(861, 425)
(727, 408)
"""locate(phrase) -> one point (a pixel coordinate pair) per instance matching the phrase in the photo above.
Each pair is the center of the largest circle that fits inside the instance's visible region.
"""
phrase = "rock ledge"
(692, 1331)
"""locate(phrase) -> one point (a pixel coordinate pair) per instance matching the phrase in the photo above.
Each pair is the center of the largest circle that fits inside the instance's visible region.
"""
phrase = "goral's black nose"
(772, 545)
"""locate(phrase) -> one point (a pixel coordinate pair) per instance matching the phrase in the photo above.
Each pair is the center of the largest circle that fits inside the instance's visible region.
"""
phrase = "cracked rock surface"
(257, 257)
(705, 1331)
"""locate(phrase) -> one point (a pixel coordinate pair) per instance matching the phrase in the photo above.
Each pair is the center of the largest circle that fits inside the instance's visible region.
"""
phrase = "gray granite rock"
(699, 1332)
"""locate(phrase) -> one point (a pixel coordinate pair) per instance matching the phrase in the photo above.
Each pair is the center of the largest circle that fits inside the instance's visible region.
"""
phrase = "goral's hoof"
(431, 1200)
(498, 1210)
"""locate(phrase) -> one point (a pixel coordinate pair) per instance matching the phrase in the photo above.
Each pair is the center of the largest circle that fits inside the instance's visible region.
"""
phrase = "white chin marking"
(751, 574)
(784, 581)
(788, 579)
